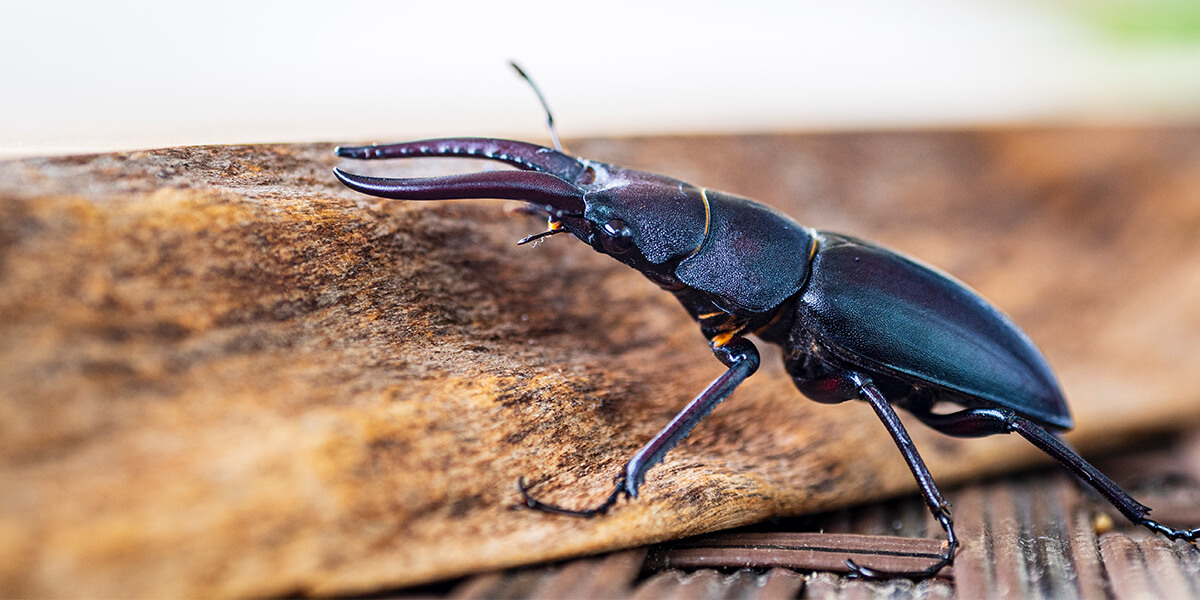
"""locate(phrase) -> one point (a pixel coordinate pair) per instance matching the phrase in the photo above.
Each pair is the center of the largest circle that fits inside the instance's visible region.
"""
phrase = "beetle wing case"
(753, 257)
(908, 318)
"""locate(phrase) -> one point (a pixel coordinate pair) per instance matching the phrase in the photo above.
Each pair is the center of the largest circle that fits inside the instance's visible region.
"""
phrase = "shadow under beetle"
(856, 321)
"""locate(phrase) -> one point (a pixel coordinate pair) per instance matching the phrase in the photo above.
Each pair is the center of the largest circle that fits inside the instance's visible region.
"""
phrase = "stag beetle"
(856, 321)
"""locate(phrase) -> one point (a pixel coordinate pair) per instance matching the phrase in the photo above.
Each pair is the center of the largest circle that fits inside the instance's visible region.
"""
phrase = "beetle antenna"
(549, 117)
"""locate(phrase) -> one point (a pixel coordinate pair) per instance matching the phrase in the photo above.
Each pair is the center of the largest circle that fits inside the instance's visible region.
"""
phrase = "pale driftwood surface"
(221, 374)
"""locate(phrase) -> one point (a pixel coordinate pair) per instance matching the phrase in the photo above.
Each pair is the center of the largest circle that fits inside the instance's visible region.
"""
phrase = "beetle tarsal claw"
(528, 501)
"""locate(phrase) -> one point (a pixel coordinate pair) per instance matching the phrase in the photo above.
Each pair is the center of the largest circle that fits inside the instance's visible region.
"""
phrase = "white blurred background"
(81, 77)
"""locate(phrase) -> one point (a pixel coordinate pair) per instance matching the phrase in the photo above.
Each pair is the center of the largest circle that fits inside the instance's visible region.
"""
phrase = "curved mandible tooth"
(542, 189)
(523, 155)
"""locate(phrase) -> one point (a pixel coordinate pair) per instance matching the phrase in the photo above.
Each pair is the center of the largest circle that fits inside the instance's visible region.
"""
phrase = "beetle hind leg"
(1132, 509)
(989, 421)
(1190, 536)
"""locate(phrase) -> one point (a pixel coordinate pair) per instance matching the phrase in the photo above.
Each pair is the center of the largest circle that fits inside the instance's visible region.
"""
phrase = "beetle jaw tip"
(351, 151)
(342, 176)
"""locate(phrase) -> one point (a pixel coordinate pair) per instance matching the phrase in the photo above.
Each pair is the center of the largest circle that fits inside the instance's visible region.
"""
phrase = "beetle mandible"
(856, 321)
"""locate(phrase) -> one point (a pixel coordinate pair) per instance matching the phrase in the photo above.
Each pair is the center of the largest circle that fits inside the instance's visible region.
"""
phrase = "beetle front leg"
(741, 356)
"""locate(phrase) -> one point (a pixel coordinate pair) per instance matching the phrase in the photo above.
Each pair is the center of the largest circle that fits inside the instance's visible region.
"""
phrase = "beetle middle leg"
(741, 356)
(933, 498)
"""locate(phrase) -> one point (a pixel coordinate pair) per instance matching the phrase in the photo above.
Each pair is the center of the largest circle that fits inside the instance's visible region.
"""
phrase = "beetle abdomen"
(881, 310)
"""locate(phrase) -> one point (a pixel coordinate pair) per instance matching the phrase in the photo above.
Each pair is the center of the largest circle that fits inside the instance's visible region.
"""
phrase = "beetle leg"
(1049, 443)
(933, 498)
(741, 356)
(528, 501)
(988, 421)
(1188, 535)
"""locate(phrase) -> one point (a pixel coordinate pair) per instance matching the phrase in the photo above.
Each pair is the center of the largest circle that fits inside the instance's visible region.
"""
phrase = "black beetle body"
(855, 320)
(885, 314)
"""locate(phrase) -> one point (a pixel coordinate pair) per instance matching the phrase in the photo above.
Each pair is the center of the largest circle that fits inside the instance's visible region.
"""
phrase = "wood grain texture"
(221, 374)
(1025, 535)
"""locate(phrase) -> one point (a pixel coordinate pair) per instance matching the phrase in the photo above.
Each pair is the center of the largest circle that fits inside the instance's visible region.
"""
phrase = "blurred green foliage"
(1143, 21)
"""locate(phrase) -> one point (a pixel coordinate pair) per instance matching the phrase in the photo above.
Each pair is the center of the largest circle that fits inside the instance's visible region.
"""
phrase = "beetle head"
(647, 221)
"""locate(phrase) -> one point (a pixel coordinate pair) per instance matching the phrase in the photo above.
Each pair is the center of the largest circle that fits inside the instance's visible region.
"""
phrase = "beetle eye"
(617, 237)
